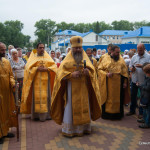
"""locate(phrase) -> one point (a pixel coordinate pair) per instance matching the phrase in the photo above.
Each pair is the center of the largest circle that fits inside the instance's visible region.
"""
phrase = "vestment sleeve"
(11, 77)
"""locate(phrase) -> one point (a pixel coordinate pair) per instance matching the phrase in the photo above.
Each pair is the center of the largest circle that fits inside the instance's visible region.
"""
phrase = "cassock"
(7, 103)
(113, 96)
(75, 101)
(103, 56)
(94, 62)
(38, 86)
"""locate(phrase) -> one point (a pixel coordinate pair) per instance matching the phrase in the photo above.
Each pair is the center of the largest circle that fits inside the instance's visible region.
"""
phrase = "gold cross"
(78, 66)
(42, 64)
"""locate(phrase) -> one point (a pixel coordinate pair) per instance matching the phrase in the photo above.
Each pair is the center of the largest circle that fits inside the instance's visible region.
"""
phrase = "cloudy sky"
(76, 11)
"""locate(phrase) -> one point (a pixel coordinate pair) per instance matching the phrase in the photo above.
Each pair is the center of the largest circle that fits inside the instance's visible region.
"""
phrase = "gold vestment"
(84, 91)
(110, 87)
(40, 85)
(7, 102)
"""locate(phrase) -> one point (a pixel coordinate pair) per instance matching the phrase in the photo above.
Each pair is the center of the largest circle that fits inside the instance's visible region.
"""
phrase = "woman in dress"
(17, 65)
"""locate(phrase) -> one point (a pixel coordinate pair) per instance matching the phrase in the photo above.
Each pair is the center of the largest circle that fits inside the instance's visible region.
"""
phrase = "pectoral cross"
(78, 66)
(42, 64)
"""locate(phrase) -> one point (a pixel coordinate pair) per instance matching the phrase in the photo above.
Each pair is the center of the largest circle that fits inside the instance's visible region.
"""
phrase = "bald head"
(141, 49)
(2, 43)
(2, 50)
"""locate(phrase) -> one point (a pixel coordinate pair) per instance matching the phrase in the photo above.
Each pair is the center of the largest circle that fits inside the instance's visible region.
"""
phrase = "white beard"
(77, 57)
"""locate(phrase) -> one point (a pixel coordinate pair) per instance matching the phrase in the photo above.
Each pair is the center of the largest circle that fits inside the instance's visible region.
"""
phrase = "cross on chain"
(78, 66)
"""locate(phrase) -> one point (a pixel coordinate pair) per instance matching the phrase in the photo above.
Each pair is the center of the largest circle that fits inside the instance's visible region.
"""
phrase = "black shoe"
(144, 126)
(130, 113)
(1, 140)
(49, 119)
(10, 135)
(140, 116)
(36, 119)
(141, 121)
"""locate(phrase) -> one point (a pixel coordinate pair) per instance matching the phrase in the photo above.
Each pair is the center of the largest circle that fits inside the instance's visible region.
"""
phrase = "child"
(145, 98)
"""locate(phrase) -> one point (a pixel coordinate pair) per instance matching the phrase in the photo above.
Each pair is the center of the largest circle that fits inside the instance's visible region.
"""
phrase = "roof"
(68, 32)
(141, 32)
(86, 33)
(72, 33)
(114, 32)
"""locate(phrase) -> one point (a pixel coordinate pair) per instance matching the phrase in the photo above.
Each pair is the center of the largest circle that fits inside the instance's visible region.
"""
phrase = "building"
(91, 38)
(141, 35)
(63, 38)
(113, 36)
(65, 34)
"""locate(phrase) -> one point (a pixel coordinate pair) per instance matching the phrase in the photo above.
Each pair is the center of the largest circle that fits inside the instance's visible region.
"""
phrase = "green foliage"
(97, 27)
(140, 24)
(10, 32)
(122, 25)
(101, 26)
(45, 30)
(2, 33)
(64, 26)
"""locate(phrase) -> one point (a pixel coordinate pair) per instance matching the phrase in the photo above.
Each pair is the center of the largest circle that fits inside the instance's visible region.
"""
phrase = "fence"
(123, 47)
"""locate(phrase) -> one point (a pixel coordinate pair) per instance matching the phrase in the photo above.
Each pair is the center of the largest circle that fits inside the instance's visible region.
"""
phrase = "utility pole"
(64, 42)
(48, 40)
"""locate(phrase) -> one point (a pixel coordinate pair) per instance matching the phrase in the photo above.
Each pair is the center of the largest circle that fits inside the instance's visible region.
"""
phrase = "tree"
(10, 32)
(64, 26)
(27, 42)
(2, 33)
(122, 25)
(97, 27)
(137, 25)
(80, 27)
(46, 28)
(101, 26)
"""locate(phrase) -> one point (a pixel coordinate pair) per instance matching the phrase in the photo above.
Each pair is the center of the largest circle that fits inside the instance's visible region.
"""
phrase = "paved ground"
(106, 135)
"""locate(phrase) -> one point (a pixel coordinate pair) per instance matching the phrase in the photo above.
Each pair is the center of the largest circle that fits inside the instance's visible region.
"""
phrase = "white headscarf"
(58, 51)
(14, 50)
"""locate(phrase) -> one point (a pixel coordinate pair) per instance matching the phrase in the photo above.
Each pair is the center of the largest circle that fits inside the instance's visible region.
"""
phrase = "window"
(145, 42)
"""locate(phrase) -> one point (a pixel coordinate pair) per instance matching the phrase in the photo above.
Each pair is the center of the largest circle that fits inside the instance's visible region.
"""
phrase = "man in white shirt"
(138, 76)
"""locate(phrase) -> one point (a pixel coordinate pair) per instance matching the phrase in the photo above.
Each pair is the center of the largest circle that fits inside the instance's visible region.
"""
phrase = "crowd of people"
(74, 88)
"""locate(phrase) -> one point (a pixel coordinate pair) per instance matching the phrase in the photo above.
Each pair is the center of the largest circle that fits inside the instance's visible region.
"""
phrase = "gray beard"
(77, 57)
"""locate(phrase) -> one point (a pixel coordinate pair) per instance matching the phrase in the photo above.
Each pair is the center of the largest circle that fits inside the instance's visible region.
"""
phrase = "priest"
(113, 84)
(38, 82)
(76, 97)
(8, 116)
(92, 59)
